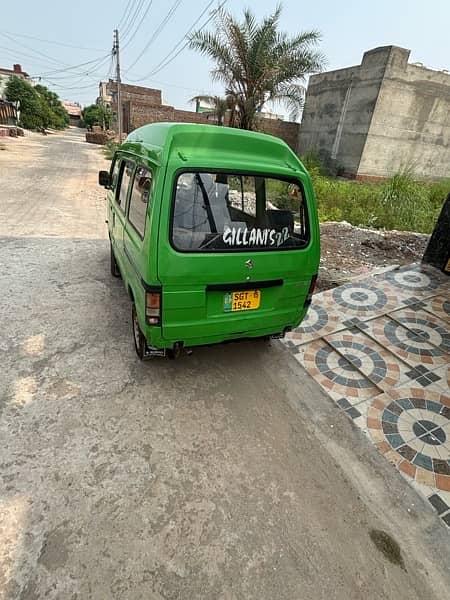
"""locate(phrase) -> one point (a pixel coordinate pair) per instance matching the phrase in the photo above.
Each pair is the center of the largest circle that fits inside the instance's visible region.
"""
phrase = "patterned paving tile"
(418, 280)
(380, 348)
(425, 378)
(440, 307)
(426, 326)
(363, 300)
(444, 382)
(356, 410)
(335, 374)
(438, 504)
(414, 303)
(413, 425)
(377, 364)
(407, 340)
(319, 321)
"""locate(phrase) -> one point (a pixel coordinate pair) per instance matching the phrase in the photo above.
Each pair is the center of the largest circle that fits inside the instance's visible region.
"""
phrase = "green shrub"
(401, 202)
(96, 114)
(109, 149)
(39, 107)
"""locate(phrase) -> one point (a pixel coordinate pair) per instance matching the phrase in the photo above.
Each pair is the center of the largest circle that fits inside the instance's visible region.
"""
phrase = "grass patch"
(401, 202)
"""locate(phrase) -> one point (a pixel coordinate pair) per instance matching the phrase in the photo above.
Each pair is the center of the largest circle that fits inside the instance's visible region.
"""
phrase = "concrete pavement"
(228, 474)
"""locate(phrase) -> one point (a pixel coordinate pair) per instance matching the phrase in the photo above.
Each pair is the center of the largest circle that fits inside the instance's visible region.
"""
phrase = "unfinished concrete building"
(383, 116)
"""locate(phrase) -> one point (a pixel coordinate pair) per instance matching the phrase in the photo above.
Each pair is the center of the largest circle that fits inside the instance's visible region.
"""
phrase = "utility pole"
(118, 81)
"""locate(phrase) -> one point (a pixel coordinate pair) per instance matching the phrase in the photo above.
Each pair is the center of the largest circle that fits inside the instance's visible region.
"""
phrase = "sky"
(48, 39)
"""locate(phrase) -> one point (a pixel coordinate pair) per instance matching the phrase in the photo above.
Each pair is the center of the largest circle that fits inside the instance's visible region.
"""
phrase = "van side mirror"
(104, 179)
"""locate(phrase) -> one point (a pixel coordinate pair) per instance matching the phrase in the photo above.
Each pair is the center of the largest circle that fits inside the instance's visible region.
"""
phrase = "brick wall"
(142, 114)
(134, 93)
(144, 105)
(286, 130)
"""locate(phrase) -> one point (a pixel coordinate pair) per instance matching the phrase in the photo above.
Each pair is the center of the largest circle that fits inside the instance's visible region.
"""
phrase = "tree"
(54, 111)
(97, 114)
(258, 63)
(219, 106)
(39, 107)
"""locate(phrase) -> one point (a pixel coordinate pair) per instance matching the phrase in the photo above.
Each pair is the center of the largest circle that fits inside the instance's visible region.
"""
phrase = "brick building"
(141, 105)
(73, 109)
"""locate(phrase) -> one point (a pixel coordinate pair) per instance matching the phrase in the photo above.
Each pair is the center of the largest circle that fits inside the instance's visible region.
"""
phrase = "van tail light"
(153, 307)
(312, 286)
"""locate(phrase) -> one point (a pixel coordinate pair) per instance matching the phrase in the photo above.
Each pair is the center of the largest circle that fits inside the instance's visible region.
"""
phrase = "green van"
(214, 232)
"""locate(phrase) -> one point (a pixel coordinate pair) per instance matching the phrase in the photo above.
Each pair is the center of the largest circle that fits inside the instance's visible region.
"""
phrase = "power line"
(96, 63)
(111, 65)
(65, 65)
(53, 42)
(46, 56)
(139, 25)
(132, 8)
(14, 54)
(100, 61)
(157, 31)
(124, 16)
(62, 87)
(133, 18)
(168, 58)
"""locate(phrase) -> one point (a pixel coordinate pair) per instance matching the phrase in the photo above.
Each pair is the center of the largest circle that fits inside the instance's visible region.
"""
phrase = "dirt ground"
(224, 475)
(348, 251)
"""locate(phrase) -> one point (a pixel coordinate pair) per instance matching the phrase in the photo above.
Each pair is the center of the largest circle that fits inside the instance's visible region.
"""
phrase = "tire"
(114, 266)
(140, 343)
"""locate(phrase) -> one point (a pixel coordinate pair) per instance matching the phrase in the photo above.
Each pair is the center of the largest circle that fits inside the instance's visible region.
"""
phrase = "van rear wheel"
(140, 343)
(114, 267)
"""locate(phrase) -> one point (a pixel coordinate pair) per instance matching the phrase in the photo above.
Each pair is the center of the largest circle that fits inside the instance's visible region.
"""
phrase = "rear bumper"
(156, 339)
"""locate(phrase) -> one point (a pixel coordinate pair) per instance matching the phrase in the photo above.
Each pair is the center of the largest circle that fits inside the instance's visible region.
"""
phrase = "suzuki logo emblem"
(249, 263)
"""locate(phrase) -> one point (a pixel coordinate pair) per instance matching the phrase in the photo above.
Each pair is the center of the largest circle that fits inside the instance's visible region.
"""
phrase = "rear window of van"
(224, 212)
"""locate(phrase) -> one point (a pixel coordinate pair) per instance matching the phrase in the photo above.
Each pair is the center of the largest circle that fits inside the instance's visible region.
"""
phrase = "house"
(5, 74)
(73, 109)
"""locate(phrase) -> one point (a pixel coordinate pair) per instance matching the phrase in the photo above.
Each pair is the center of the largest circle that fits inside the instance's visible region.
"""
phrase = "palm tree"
(219, 105)
(258, 63)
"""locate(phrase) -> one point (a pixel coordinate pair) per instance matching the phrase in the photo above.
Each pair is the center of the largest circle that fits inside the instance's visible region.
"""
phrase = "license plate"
(235, 301)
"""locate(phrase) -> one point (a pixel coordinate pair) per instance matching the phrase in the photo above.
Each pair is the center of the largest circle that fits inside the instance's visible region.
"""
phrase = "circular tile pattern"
(446, 307)
(361, 297)
(415, 425)
(434, 435)
(440, 306)
(335, 373)
(316, 319)
(342, 366)
(415, 334)
(411, 280)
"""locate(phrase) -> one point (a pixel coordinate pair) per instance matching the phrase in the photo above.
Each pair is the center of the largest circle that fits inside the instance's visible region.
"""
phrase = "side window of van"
(115, 173)
(126, 171)
(139, 199)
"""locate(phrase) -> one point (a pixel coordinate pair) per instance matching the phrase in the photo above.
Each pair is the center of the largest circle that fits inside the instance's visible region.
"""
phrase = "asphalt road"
(223, 475)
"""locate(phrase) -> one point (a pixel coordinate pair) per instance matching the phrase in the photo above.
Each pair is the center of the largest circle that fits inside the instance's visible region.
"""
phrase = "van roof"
(196, 143)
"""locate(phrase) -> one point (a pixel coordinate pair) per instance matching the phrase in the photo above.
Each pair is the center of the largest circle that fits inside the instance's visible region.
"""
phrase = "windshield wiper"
(212, 224)
(208, 242)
